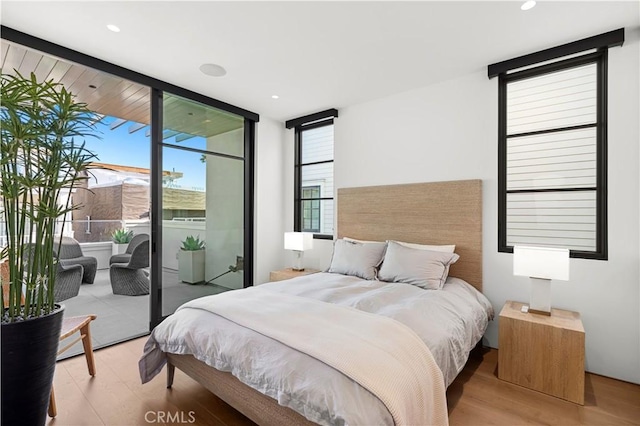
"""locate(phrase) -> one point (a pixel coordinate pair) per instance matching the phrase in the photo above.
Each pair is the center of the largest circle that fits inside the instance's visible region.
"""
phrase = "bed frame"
(424, 213)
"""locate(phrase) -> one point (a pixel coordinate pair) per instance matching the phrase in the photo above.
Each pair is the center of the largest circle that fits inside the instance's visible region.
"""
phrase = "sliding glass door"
(202, 202)
(199, 180)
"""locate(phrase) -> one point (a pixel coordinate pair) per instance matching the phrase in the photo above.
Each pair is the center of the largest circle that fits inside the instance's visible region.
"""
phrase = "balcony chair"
(68, 281)
(71, 254)
(68, 278)
(130, 279)
(126, 256)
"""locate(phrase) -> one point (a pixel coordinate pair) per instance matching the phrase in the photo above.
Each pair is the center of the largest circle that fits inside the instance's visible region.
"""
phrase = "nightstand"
(285, 274)
(544, 353)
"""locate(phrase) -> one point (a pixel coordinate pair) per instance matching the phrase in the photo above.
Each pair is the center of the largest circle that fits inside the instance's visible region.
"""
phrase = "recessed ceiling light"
(213, 70)
(528, 5)
(275, 96)
(113, 28)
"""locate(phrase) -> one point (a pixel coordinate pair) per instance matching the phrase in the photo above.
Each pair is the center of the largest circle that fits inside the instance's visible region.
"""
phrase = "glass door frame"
(158, 87)
(157, 145)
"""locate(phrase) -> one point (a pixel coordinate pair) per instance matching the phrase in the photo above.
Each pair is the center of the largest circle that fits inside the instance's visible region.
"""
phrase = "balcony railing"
(89, 230)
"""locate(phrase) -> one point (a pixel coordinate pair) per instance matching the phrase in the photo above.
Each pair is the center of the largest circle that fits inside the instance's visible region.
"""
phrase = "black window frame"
(300, 124)
(298, 198)
(599, 58)
(564, 54)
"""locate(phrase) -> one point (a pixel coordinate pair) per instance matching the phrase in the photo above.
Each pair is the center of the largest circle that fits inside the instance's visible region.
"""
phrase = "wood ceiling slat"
(13, 59)
(81, 85)
(72, 74)
(97, 118)
(142, 114)
(114, 96)
(169, 134)
(183, 137)
(125, 93)
(44, 68)
(105, 86)
(189, 117)
(59, 70)
(120, 98)
(29, 62)
(137, 126)
(4, 48)
(141, 95)
(117, 123)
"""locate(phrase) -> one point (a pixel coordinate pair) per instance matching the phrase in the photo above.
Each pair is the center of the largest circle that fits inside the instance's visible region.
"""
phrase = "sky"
(120, 147)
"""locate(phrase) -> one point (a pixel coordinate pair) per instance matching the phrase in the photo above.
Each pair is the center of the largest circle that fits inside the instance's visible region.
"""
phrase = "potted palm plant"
(191, 260)
(41, 165)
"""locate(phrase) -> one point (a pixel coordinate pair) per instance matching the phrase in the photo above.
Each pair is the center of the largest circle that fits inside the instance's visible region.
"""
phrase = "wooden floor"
(116, 397)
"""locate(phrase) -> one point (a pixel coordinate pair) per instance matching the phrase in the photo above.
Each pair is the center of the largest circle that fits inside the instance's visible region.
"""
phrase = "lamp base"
(298, 265)
(540, 300)
(537, 312)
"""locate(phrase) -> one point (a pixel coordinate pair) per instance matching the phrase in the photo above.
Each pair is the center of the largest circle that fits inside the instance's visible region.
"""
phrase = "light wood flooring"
(477, 397)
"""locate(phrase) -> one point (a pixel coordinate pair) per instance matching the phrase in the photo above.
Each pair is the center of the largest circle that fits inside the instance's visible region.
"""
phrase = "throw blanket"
(381, 354)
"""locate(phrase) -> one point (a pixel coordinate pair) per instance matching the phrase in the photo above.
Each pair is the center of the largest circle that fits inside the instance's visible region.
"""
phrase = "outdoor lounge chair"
(68, 281)
(68, 277)
(130, 279)
(124, 257)
(71, 254)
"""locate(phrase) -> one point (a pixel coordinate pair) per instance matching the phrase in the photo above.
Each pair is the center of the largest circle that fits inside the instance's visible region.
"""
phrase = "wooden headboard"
(424, 213)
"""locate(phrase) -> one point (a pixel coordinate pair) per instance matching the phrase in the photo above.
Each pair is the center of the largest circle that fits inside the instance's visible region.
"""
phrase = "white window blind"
(555, 100)
(552, 159)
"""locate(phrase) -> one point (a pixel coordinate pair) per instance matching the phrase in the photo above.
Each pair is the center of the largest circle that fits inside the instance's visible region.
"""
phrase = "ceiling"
(109, 95)
(313, 55)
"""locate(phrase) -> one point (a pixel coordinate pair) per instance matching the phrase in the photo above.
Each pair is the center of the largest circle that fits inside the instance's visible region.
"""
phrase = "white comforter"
(449, 321)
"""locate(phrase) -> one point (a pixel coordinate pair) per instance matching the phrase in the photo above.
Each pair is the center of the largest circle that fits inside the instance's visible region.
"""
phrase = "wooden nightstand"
(285, 274)
(544, 353)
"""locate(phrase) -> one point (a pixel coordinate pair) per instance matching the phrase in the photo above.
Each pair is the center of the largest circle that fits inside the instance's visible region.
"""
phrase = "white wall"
(225, 207)
(448, 131)
(271, 209)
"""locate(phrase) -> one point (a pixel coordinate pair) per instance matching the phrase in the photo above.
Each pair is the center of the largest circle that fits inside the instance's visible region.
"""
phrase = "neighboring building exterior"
(116, 193)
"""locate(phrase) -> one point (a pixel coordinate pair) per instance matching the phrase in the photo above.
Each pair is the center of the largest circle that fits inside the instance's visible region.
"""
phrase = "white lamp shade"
(298, 241)
(541, 262)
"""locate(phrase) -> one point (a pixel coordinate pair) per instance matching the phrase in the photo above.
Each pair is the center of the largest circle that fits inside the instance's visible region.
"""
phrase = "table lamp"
(298, 242)
(541, 264)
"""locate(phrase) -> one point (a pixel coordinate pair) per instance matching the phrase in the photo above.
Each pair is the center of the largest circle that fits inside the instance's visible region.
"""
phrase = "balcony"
(121, 317)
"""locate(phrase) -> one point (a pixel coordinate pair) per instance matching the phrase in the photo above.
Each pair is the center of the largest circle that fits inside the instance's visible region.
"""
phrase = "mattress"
(450, 322)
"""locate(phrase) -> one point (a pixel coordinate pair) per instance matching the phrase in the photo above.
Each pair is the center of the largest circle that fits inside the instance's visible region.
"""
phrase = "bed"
(425, 213)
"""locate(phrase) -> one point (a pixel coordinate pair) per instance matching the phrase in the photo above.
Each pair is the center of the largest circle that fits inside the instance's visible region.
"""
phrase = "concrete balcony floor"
(121, 318)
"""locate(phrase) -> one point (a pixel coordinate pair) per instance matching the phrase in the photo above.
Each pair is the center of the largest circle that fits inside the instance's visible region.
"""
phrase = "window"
(552, 148)
(313, 173)
(311, 208)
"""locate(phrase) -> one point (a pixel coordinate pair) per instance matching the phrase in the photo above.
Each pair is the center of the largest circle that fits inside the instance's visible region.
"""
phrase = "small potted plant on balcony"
(120, 240)
(40, 167)
(191, 260)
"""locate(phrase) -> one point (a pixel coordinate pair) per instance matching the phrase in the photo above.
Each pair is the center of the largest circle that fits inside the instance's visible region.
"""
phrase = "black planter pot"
(28, 362)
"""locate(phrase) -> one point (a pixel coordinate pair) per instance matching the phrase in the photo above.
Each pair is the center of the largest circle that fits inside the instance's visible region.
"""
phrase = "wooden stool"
(69, 326)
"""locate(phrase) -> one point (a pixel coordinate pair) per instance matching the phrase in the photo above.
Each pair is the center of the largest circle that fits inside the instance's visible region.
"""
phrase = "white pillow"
(449, 248)
(427, 269)
(353, 240)
(357, 259)
(446, 248)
